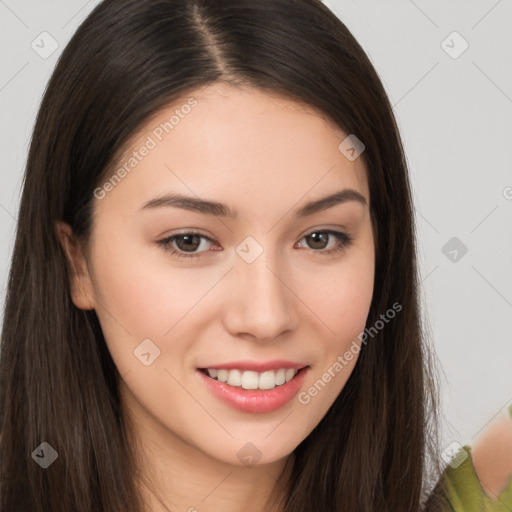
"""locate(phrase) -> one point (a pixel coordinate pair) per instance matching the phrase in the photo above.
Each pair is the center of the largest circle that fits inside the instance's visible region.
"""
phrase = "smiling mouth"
(252, 380)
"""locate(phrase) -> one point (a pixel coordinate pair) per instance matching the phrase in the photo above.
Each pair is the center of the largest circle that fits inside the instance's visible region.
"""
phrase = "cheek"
(141, 296)
(345, 299)
(343, 303)
(141, 292)
(341, 296)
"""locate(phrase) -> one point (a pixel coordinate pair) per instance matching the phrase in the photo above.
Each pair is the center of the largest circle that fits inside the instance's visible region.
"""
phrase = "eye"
(318, 239)
(186, 243)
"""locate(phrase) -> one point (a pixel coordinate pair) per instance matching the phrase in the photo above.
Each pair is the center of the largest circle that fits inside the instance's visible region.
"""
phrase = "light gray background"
(455, 119)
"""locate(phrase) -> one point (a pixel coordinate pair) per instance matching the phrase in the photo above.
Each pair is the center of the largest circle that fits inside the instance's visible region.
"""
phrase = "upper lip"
(256, 366)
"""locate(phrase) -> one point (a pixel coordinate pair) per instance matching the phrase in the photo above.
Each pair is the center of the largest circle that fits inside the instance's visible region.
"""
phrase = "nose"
(262, 304)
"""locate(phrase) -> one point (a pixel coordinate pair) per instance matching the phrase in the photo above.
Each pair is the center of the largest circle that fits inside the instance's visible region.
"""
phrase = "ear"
(82, 290)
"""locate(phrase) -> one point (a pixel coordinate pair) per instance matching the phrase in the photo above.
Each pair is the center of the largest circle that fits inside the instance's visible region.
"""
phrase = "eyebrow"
(222, 210)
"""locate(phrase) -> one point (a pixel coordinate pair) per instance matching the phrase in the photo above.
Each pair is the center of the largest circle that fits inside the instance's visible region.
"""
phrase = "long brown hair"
(58, 382)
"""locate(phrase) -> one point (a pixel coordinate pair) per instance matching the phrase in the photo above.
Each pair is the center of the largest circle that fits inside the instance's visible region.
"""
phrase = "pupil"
(188, 239)
(315, 237)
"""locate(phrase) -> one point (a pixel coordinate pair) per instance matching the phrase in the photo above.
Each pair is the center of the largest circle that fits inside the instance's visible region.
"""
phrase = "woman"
(213, 296)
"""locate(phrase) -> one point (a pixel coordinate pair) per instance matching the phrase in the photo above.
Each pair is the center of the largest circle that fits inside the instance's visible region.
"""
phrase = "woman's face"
(268, 287)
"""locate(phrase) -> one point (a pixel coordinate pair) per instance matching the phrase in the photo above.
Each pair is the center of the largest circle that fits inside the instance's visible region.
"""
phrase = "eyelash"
(344, 241)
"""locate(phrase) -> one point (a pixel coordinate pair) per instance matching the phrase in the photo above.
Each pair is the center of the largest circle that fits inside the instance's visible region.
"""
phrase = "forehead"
(240, 145)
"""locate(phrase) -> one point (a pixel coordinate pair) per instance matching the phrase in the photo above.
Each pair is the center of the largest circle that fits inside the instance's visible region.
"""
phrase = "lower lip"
(253, 400)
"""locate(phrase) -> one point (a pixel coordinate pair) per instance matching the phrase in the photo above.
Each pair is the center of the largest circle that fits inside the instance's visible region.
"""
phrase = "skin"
(492, 454)
(265, 156)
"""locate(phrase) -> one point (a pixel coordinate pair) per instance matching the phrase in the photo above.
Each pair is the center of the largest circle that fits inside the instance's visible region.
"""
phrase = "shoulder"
(492, 453)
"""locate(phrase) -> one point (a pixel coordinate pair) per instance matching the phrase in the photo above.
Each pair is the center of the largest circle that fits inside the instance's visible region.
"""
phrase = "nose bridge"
(262, 304)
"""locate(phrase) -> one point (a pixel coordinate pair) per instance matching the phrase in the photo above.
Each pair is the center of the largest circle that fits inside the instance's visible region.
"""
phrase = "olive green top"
(465, 493)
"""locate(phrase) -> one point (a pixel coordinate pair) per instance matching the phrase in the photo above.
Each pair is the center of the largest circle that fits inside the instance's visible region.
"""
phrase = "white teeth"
(249, 380)
(253, 380)
(280, 376)
(290, 374)
(234, 378)
(267, 380)
(222, 375)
